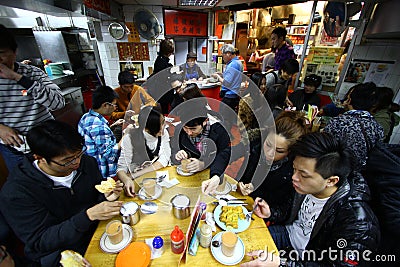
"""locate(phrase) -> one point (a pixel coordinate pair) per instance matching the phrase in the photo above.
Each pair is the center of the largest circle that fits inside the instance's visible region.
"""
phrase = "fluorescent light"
(198, 2)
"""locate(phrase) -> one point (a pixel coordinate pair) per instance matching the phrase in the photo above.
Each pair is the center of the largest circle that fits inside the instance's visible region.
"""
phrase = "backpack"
(276, 79)
(382, 173)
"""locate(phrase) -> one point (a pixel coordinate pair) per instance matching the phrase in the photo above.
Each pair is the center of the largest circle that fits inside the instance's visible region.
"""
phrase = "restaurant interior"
(82, 44)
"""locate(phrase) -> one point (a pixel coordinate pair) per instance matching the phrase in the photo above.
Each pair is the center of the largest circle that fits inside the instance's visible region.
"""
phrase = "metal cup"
(130, 213)
(181, 206)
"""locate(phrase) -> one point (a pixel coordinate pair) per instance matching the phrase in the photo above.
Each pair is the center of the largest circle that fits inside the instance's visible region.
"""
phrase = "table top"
(162, 223)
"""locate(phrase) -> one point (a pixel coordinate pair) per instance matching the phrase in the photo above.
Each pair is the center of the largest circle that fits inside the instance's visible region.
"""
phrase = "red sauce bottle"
(177, 240)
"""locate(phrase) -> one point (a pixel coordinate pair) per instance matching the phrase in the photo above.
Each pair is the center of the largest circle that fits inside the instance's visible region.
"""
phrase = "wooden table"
(162, 223)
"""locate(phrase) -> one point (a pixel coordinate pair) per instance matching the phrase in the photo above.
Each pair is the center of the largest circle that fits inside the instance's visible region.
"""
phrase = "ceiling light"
(198, 2)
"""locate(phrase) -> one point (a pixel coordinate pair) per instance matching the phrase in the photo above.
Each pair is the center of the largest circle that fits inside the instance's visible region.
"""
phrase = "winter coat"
(216, 155)
(47, 218)
(346, 224)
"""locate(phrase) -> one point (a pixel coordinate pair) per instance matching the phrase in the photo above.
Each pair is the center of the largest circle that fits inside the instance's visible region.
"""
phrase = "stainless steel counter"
(74, 106)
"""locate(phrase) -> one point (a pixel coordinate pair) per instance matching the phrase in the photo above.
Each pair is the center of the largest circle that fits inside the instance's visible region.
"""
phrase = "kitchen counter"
(60, 79)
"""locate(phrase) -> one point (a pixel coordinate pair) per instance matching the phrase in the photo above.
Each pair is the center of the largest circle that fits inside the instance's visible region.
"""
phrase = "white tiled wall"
(111, 64)
(383, 53)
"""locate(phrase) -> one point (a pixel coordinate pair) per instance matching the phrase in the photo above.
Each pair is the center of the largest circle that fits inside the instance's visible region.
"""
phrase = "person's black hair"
(126, 77)
(280, 32)
(150, 119)
(331, 155)
(191, 91)
(102, 95)
(7, 39)
(195, 122)
(257, 78)
(195, 116)
(384, 98)
(276, 96)
(363, 96)
(290, 66)
(166, 47)
(52, 138)
(313, 80)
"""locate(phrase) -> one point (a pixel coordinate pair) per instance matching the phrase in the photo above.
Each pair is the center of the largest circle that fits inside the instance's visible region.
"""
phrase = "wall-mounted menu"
(134, 51)
(133, 35)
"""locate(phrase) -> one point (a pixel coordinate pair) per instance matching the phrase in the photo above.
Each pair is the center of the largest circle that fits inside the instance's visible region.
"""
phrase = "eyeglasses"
(3, 254)
(111, 104)
(72, 161)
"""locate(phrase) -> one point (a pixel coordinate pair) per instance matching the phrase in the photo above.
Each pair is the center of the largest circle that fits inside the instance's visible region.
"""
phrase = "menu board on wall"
(133, 35)
(133, 51)
(185, 23)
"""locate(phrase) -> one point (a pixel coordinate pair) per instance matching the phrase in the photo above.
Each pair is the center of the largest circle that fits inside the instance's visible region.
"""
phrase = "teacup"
(149, 186)
(228, 243)
(114, 231)
(184, 164)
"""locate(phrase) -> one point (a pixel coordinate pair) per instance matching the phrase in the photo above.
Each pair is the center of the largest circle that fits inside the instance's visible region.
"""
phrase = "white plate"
(242, 224)
(238, 254)
(108, 247)
(142, 194)
(227, 189)
(181, 172)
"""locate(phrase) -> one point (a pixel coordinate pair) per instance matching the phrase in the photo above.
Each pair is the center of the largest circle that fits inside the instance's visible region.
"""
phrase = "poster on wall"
(361, 71)
(185, 23)
(378, 73)
(356, 72)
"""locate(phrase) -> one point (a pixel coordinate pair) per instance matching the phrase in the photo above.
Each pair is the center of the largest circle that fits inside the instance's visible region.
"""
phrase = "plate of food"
(231, 217)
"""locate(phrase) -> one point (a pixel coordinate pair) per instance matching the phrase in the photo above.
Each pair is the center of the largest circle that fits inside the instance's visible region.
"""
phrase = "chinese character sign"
(185, 23)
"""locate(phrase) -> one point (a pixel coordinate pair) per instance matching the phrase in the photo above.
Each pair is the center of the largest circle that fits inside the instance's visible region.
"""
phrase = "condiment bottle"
(205, 235)
(203, 206)
(158, 245)
(177, 240)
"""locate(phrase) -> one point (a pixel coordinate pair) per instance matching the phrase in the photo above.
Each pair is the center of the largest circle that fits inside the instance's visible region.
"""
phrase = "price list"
(134, 51)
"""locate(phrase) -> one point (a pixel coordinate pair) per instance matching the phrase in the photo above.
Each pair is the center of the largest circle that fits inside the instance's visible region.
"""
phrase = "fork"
(249, 214)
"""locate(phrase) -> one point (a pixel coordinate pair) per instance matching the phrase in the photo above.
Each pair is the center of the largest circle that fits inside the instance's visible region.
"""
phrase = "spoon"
(219, 200)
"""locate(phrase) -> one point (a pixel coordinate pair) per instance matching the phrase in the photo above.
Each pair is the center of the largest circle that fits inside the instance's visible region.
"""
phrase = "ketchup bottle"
(177, 240)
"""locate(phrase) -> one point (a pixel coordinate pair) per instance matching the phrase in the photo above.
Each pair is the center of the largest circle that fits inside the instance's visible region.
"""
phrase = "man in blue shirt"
(99, 139)
(231, 82)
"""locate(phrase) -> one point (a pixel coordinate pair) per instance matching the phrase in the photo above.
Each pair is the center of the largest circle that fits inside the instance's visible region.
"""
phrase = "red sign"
(99, 5)
(185, 23)
(133, 51)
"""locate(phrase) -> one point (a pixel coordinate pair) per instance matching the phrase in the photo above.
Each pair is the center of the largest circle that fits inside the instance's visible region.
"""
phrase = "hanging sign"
(185, 23)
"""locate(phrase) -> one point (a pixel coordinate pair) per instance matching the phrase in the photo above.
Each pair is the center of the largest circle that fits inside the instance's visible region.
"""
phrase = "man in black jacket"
(51, 203)
(330, 223)
(204, 143)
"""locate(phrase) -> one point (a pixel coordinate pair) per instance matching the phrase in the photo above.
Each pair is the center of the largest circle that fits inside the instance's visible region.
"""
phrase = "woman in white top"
(144, 149)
